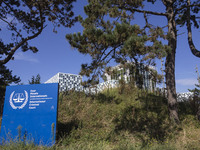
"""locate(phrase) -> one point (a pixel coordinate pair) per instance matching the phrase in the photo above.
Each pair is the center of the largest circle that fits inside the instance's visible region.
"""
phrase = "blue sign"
(30, 114)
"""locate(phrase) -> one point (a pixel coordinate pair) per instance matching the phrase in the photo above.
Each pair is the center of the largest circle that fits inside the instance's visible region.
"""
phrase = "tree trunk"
(170, 66)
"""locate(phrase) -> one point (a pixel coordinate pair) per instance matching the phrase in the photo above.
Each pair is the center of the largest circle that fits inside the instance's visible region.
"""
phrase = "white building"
(119, 72)
(69, 81)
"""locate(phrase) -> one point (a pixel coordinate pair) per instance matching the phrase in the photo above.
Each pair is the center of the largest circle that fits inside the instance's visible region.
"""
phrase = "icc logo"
(18, 100)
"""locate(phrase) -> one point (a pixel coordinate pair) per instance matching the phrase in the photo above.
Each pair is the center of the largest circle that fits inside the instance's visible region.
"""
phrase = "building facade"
(67, 81)
(143, 77)
(102, 86)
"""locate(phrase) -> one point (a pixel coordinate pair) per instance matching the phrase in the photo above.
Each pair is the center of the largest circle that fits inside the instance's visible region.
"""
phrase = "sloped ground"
(119, 119)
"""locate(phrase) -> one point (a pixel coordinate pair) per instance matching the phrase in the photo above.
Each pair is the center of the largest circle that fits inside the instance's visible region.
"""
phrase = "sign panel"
(30, 113)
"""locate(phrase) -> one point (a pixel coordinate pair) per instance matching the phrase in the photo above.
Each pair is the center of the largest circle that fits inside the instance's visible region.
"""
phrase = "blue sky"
(55, 54)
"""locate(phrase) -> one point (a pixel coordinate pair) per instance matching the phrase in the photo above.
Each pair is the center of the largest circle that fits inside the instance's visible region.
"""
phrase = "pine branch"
(184, 6)
(146, 12)
(193, 49)
(24, 40)
(10, 25)
(148, 25)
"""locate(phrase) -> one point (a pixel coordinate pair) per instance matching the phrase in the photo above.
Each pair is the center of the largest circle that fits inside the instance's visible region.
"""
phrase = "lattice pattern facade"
(67, 81)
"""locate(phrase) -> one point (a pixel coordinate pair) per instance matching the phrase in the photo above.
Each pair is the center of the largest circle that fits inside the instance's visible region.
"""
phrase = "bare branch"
(147, 24)
(181, 33)
(146, 12)
(108, 54)
(100, 58)
(190, 41)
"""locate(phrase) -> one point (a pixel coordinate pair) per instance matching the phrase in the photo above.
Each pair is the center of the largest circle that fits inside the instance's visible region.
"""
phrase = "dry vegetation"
(121, 119)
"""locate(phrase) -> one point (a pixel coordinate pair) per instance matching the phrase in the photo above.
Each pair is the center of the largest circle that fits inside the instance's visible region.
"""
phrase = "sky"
(56, 55)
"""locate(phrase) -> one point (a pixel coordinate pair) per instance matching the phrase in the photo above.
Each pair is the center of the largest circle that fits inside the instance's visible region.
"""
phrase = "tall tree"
(109, 33)
(26, 19)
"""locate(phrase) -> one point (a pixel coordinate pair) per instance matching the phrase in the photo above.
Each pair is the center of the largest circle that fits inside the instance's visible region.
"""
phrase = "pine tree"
(26, 20)
(6, 78)
(35, 80)
(110, 33)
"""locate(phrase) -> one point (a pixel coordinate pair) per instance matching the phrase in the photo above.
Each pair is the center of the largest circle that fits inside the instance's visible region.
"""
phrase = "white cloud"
(187, 81)
(25, 57)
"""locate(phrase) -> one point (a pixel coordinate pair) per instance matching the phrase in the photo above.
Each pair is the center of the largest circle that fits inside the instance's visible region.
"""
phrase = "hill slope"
(119, 119)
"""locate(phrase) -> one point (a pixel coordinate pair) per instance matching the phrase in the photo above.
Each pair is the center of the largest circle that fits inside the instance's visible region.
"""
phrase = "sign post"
(30, 114)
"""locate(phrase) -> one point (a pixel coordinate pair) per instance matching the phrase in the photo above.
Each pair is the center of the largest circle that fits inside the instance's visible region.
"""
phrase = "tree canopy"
(105, 39)
(26, 19)
(110, 33)
(35, 80)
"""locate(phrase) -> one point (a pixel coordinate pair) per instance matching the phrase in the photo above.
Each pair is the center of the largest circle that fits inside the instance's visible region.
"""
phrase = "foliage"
(25, 20)
(35, 80)
(6, 78)
(110, 33)
(114, 38)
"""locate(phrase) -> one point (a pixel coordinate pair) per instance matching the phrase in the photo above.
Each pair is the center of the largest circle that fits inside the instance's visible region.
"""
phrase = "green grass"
(120, 119)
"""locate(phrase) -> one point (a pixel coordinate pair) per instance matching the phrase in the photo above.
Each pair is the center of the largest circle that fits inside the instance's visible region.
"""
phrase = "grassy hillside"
(121, 119)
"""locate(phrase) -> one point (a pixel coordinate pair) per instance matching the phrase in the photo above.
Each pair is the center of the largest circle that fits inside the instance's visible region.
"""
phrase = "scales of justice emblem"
(18, 100)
